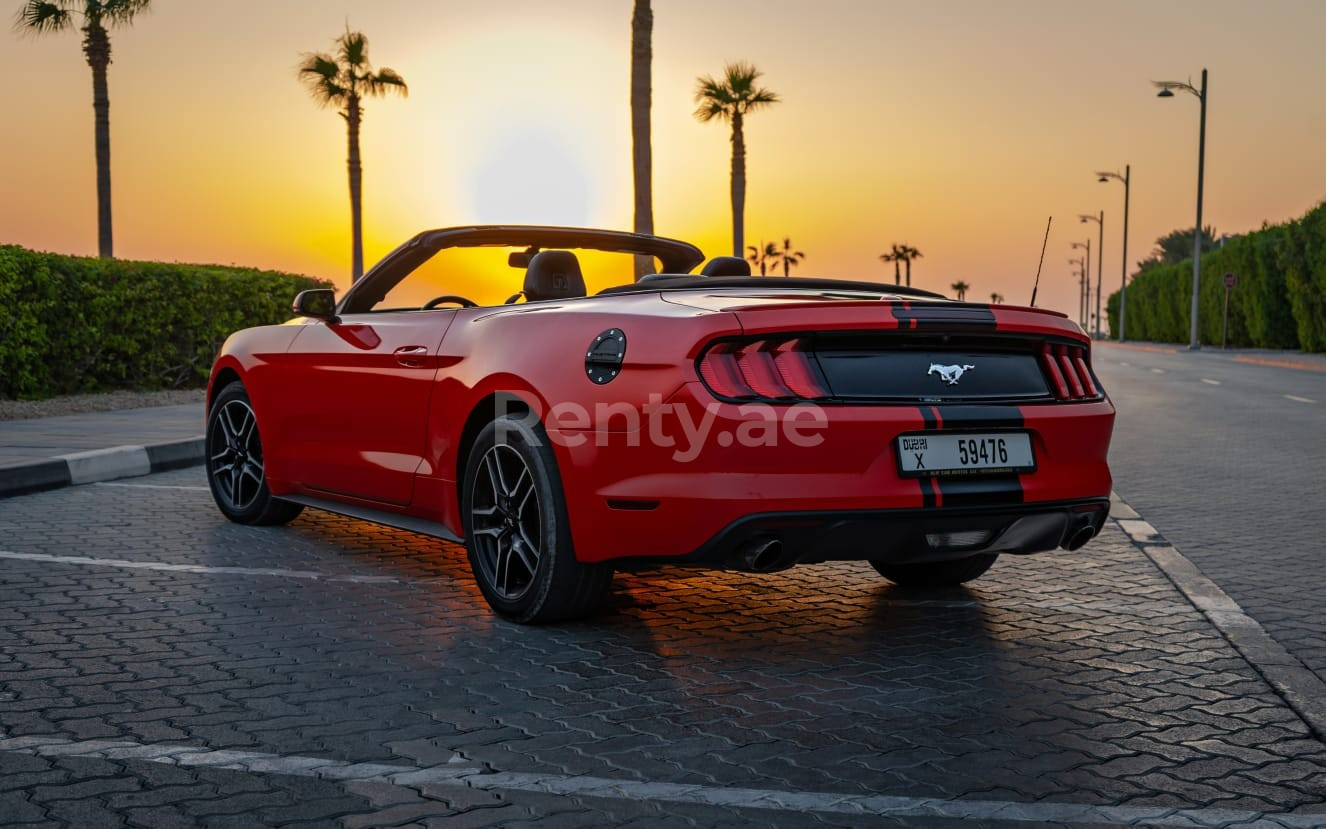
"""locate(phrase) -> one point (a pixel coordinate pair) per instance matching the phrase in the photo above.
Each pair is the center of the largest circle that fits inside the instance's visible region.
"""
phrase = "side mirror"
(317, 303)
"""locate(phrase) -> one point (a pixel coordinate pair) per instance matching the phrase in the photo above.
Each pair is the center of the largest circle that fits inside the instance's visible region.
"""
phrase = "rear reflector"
(761, 369)
(1070, 376)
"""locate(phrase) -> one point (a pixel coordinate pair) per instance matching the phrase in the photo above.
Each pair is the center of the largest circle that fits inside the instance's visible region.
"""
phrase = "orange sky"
(956, 127)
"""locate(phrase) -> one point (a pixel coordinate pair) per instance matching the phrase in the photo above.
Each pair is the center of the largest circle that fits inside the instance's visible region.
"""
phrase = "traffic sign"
(1230, 279)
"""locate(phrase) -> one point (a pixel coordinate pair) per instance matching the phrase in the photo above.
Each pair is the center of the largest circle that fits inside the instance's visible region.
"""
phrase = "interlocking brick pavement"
(1064, 678)
(1232, 475)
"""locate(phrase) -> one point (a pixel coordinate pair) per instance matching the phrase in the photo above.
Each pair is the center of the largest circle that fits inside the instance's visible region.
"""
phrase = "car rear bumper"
(767, 542)
(628, 497)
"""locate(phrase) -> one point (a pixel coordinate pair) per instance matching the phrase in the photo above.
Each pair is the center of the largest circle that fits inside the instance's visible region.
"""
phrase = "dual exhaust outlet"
(768, 554)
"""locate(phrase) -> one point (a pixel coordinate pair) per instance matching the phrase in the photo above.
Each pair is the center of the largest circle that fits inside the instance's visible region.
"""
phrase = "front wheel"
(235, 470)
(516, 529)
(936, 573)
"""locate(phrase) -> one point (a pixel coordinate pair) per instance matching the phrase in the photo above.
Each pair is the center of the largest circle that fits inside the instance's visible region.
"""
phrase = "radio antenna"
(1042, 262)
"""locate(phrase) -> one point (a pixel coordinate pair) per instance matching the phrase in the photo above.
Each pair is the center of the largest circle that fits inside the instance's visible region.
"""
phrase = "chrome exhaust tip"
(1079, 538)
(764, 555)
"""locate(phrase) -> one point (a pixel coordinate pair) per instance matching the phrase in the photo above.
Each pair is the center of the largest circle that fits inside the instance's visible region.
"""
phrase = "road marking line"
(1139, 608)
(1301, 689)
(195, 568)
(1210, 382)
(153, 486)
(1297, 399)
(456, 773)
(1157, 371)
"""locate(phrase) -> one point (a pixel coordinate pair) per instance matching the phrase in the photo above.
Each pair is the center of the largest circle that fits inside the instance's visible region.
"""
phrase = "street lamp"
(1086, 290)
(1167, 91)
(1081, 277)
(1100, 258)
(1126, 178)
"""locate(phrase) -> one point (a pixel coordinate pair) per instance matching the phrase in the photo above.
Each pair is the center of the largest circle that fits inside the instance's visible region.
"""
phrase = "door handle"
(411, 356)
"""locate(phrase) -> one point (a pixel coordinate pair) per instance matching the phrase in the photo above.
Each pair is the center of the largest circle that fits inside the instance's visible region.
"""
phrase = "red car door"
(354, 402)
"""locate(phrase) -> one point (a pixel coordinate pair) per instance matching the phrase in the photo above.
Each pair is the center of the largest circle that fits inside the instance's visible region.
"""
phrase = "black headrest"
(726, 266)
(553, 274)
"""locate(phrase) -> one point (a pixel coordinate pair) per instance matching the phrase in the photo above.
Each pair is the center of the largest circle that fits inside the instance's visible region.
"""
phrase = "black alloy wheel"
(236, 473)
(505, 522)
(516, 529)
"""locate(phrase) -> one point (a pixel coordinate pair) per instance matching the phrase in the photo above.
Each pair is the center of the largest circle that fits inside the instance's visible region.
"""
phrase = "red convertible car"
(709, 419)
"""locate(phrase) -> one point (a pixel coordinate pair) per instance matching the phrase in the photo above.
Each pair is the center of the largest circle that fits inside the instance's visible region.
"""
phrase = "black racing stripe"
(976, 491)
(982, 417)
(903, 313)
(929, 490)
(921, 317)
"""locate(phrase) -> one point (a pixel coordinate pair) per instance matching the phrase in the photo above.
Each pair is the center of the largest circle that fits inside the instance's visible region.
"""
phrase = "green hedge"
(72, 324)
(1279, 300)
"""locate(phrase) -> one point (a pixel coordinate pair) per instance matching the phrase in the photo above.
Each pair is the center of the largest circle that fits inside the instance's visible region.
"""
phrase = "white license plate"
(932, 454)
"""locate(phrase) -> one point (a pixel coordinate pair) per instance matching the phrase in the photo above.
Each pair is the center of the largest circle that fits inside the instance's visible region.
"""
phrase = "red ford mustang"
(709, 419)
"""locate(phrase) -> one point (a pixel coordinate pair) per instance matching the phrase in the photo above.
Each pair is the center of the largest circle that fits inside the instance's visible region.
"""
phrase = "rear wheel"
(516, 529)
(235, 470)
(936, 573)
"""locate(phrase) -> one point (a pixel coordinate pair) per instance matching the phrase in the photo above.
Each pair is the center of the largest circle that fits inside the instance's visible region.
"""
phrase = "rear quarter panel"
(536, 352)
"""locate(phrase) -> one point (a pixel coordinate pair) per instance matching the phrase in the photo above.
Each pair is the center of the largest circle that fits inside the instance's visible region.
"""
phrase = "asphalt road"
(1227, 459)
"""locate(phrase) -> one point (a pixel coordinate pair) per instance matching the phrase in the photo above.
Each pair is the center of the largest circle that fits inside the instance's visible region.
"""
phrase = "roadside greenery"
(1279, 300)
(71, 324)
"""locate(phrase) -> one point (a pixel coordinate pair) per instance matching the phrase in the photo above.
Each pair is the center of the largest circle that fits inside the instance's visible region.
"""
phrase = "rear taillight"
(762, 369)
(1070, 376)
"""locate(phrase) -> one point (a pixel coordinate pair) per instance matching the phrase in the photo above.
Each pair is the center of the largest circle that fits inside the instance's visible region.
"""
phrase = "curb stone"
(100, 465)
(1301, 689)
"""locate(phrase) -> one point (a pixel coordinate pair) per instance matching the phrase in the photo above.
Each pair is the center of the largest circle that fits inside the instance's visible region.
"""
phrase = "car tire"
(516, 529)
(936, 573)
(236, 473)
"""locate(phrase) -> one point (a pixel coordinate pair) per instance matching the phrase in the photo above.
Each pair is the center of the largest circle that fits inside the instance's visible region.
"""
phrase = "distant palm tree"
(908, 254)
(894, 257)
(96, 16)
(996, 298)
(789, 257)
(764, 254)
(730, 99)
(342, 81)
(642, 27)
(960, 288)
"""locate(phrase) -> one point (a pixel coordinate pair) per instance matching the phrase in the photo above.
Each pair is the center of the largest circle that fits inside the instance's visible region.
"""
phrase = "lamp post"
(1086, 290)
(1167, 91)
(1100, 258)
(1081, 282)
(1126, 178)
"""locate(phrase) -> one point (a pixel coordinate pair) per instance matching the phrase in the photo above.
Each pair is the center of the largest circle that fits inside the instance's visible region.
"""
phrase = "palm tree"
(343, 80)
(642, 27)
(762, 256)
(892, 256)
(996, 298)
(960, 288)
(908, 254)
(789, 257)
(96, 16)
(730, 99)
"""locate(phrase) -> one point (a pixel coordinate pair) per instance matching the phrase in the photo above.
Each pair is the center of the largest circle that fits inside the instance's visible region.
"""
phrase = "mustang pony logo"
(949, 374)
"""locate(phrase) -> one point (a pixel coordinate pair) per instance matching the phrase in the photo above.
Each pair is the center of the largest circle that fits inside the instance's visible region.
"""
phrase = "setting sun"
(943, 135)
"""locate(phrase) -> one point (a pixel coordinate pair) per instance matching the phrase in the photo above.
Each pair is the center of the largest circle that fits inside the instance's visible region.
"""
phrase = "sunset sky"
(956, 127)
